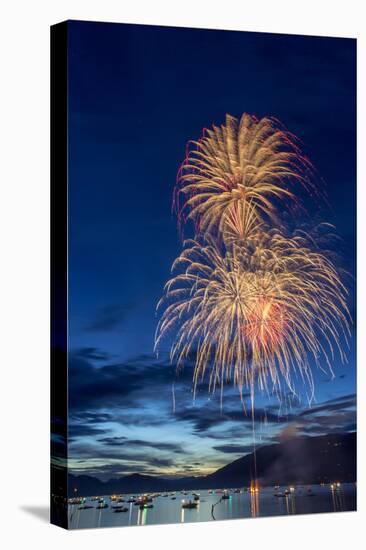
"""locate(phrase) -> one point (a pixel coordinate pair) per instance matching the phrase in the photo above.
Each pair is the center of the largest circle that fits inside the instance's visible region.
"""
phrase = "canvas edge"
(59, 316)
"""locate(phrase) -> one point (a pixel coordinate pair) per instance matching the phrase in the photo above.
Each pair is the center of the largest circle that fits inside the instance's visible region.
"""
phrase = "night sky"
(137, 94)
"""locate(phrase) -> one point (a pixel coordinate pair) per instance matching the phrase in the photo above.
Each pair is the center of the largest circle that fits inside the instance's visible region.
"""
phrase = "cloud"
(332, 405)
(337, 415)
(89, 459)
(234, 449)
(82, 430)
(91, 417)
(110, 385)
(204, 418)
(105, 471)
(161, 446)
(106, 398)
(109, 317)
(94, 354)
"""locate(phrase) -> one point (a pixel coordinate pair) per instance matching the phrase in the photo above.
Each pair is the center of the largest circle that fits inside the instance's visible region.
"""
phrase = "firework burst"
(254, 312)
(250, 302)
(249, 166)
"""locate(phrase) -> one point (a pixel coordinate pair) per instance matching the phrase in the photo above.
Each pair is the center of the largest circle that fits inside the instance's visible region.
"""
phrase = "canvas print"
(203, 275)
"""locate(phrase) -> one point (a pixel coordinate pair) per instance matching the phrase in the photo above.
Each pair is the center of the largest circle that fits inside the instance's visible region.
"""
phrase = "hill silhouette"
(300, 460)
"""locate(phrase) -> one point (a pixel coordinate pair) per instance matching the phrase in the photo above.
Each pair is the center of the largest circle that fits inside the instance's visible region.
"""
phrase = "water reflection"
(293, 504)
(220, 505)
(189, 513)
(337, 497)
(130, 515)
(142, 516)
(254, 503)
(290, 502)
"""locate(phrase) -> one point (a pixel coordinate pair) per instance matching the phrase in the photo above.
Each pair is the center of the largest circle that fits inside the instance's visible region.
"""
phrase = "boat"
(143, 500)
(85, 507)
(144, 506)
(190, 504)
(76, 500)
(196, 496)
(102, 505)
(118, 509)
(173, 498)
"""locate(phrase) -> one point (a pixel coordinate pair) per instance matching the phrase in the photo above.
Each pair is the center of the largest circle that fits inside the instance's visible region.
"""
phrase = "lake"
(302, 500)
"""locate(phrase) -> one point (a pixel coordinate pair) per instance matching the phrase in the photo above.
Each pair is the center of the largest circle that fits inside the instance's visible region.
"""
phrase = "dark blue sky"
(137, 94)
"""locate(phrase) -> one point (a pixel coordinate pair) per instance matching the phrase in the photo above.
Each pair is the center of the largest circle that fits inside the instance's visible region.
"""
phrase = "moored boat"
(102, 504)
(190, 504)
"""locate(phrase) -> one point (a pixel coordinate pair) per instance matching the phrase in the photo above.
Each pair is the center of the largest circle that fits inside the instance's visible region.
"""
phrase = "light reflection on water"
(254, 504)
(303, 500)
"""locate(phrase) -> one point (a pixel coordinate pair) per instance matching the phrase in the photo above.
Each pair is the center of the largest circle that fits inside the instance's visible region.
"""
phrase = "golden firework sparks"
(251, 304)
(245, 168)
(255, 311)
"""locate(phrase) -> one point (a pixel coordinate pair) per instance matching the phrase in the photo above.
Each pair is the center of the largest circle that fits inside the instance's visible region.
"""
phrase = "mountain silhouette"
(299, 460)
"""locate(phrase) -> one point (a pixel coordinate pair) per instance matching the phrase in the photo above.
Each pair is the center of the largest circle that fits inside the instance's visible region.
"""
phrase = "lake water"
(303, 500)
